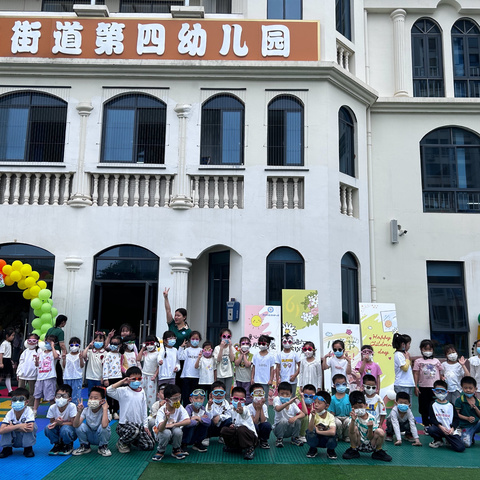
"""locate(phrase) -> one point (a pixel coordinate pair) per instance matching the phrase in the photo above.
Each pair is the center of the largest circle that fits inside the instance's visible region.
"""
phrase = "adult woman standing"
(177, 323)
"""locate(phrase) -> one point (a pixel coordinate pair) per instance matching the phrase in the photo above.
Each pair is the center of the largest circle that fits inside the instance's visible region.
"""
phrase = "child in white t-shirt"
(224, 356)
(243, 366)
(263, 364)
(27, 370)
(259, 412)
(206, 365)
(375, 404)
(288, 364)
(94, 354)
(454, 369)
(149, 355)
(73, 369)
(189, 353)
(168, 363)
(287, 416)
(338, 360)
(6, 367)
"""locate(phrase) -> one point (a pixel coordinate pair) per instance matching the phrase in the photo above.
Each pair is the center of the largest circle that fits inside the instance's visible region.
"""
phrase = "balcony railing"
(130, 190)
(348, 200)
(217, 191)
(19, 188)
(453, 201)
(285, 193)
(344, 56)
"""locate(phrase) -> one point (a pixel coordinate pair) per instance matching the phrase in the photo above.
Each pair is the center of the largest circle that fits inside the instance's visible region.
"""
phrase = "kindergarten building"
(234, 148)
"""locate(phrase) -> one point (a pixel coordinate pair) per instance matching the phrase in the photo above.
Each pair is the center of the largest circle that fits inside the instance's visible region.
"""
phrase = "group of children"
(224, 393)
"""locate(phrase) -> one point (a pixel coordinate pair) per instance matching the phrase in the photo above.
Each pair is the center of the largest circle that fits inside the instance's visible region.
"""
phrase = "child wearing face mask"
(340, 407)
(259, 412)
(468, 409)
(27, 370)
(206, 365)
(374, 402)
(338, 360)
(426, 371)
(224, 355)
(263, 364)
(96, 429)
(218, 410)
(401, 419)
(112, 371)
(132, 425)
(95, 353)
(474, 362)
(60, 430)
(168, 364)
(305, 405)
(168, 425)
(288, 364)
(200, 421)
(311, 371)
(46, 374)
(189, 353)
(18, 428)
(454, 369)
(129, 356)
(73, 365)
(243, 367)
(404, 381)
(443, 420)
(149, 355)
(366, 366)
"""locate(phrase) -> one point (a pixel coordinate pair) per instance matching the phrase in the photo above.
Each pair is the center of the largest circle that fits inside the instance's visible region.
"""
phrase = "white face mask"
(427, 354)
(452, 357)
(308, 354)
(151, 348)
(74, 349)
(360, 412)
(61, 402)
(31, 347)
(245, 348)
(262, 348)
(93, 404)
(130, 346)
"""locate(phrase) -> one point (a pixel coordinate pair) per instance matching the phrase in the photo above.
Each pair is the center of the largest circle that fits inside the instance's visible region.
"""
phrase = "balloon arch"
(34, 290)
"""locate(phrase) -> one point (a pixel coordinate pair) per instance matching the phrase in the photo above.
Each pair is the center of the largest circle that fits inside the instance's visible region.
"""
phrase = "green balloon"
(37, 323)
(50, 301)
(46, 307)
(42, 337)
(46, 318)
(38, 312)
(44, 294)
(54, 312)
(36, 303)
(45, 327)
(37, 332)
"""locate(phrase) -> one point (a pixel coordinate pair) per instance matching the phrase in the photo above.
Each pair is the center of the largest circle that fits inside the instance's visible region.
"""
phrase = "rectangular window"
(13, 125)
(148, 6)
(66, 5)
(284, 9)
(119, 135)
(231, 138)
(447, 306)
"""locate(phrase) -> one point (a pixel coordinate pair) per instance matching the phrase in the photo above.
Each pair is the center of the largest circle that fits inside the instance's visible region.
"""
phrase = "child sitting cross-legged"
(259, 412)
(365, 434)
(468, 409)
(287, 416)
(401, 419)
(96, 429)
(168, 426)
(321, 427)
(18, 428)
(218, 410)
(197, 431)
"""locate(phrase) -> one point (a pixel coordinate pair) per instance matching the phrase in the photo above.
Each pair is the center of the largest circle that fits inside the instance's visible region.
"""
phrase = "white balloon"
(391, 395)
(41, 345)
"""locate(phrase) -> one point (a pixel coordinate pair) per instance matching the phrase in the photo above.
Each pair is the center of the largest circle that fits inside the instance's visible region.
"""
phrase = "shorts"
(7, 370)
(366, 447)
(45, 389)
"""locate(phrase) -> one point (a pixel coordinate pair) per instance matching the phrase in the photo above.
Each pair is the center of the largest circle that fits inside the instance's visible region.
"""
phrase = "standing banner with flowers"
(300, 317)
(262, 320)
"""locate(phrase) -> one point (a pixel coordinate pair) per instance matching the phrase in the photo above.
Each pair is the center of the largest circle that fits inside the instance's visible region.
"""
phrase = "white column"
(72, 264)
(81, 197)
(181, 197)
(399, 52)
(180, 269)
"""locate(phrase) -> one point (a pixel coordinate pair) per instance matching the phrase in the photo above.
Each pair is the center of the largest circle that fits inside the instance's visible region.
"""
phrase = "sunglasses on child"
(319, 398)
(340, 385)
(198, 393)
(338, 349)
(262, 343)
(62, 395)
(226, 336)
(218, 393)
(367, 352)
(245, 343)
(32, 341)
(439, 390)
(307, 349)
(290, 342)
(74, 345)
(20, 398)
(238, 399)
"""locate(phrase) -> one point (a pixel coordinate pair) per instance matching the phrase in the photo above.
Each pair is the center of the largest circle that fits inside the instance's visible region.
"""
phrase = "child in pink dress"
(366, 366)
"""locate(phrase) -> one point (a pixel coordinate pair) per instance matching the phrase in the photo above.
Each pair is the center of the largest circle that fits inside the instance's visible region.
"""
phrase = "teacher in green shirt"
(178, 323)
(60, 347)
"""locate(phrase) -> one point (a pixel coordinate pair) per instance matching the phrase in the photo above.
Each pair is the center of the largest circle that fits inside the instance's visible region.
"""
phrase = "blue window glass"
(32, 127)
(343, 18)
(466, 58)
(346, 145)
(222, 131)
(285, 131)
(350, 309)
(427, 59)
(284, 9)
(451, 171)
(134, 128)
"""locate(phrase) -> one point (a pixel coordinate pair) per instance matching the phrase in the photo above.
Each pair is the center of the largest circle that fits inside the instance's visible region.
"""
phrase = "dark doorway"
(218, 292)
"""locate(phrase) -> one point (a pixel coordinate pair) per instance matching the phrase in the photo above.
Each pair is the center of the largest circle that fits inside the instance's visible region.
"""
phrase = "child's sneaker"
(389, 438)
(178, 453)
(115, 416)
(221, 440)
(199, 447)
(435, 444)
(104, 451)
(122, 448)
(206, 442)
(351, 453)
(82, 450)
(346, 439)
(66, 450)
(264, 444)
(409, 438)
(55, 450)
(331, 454)
(7, 451)
(28, 452)
(158, 456)
(296, 441)
(279, 443)
(381, 455)
(249, 453)
(303, 439)
(312, 452)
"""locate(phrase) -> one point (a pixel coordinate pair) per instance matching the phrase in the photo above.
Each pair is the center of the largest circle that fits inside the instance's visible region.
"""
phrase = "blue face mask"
(17, 406)
(341, 388)
(47, 346)
(113, 348)
(135, 384)
(98, 345)
(402, 407)
(171, 342)
(218, 401)
(234, 404)
(308, 401)
(338, 354)
(469, 395)
(478, 350)
(198, 405)
(194, 343)
(284, 399)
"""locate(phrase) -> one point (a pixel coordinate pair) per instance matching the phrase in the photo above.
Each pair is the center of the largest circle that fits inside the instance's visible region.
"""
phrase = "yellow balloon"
(30, 282)
(7, 269)
(35, 275)
(16, 276)
(17, 265)
(21, 285)
(26, 294)
(26, 270)
(34, 291)
(8, 281)
(42, 284)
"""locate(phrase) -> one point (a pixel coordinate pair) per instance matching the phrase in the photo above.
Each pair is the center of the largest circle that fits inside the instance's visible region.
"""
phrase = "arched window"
(285, 131)
(343, 18)
(134, 128)
(427, 59)
(284, 9)
(466, 58)
(350, 313)
(346, 142)
(451, 170)
(32, 127)
(222, 132)
(285, 269)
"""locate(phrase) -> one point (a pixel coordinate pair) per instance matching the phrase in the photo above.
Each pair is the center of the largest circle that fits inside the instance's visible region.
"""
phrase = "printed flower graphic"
(289, 329)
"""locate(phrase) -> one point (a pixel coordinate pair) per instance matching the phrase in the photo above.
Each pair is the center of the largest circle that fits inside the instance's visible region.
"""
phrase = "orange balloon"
(2, 263)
